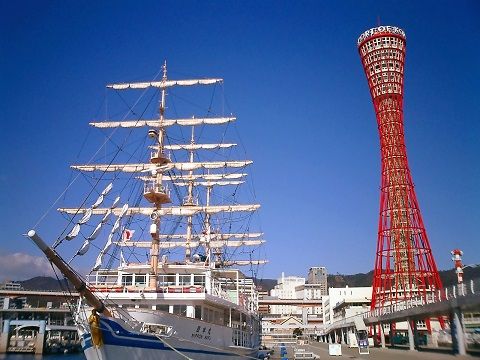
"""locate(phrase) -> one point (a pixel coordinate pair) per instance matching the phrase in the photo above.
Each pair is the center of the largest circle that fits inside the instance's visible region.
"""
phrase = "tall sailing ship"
(165, 283)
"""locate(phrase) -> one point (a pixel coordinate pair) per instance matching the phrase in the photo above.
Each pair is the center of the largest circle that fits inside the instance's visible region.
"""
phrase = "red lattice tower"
(404, 265)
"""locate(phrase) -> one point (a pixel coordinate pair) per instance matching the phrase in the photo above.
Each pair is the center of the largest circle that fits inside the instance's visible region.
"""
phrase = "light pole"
(457, 261)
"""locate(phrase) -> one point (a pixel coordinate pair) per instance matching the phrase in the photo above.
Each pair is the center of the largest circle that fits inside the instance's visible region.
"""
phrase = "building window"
(180, 309)
(127, 280)
(184, 280)
(140, 279)
(163, 307)
(199, 280)
(198, 312)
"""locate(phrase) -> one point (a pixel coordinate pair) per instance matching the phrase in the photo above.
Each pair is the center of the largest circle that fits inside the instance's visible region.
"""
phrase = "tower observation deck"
(404, 265)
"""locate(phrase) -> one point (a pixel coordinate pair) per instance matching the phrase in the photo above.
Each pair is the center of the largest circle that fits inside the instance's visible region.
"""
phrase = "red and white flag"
(127, 234)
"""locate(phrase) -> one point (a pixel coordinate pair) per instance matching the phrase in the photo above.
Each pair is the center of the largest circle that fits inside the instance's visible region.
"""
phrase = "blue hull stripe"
(114, 334)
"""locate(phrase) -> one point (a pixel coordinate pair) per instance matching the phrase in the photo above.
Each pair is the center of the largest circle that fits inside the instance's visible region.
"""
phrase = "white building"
(299, 311)
(345, 302)
(7, 302)
(286, 288)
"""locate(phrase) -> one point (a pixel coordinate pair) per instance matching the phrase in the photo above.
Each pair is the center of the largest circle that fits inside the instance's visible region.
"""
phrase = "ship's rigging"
(166, 203)
(193, 211)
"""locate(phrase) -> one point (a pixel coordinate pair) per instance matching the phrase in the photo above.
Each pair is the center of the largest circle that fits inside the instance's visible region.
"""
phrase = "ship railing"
(154, 187)
(100, 279)
(156, 154)
(218, 291)
(470, 319)
(186, 289)
(224, 295)
(115, 288)
(107, 288)
(190, 201)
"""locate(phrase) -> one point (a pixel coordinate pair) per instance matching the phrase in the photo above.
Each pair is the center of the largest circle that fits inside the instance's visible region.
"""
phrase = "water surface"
(76, 356)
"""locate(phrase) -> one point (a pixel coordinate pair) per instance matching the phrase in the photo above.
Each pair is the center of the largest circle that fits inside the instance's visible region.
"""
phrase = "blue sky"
(294, 79)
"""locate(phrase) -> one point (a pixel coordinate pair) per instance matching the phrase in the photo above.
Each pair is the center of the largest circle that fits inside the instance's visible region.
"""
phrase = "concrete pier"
(411, 339)
(4, 337)
(40, 339)
(382, 336)
(457, 331)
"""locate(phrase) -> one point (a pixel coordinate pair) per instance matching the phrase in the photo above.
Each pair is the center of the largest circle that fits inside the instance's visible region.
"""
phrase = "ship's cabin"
(216, 296)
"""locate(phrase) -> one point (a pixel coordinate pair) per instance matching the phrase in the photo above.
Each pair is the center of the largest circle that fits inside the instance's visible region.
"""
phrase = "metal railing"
(471, 287)
(154, 187)
(159, 154)
(468, 288)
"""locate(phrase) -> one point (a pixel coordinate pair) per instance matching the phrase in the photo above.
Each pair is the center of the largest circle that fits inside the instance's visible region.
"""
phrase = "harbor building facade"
(288, 287)
(294, 305)
(318, 275)
(341, 303)
(9, 302)
(36, 321)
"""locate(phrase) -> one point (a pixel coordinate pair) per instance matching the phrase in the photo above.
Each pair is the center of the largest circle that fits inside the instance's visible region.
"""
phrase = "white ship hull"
(189, 338)
(122, 352)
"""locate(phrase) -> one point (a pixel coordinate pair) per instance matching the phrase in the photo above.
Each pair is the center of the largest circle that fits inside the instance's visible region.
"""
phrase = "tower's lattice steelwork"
(404, 265)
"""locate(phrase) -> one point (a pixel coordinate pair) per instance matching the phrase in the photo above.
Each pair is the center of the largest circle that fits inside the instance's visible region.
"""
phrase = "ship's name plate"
(202, 333)
(381, 29)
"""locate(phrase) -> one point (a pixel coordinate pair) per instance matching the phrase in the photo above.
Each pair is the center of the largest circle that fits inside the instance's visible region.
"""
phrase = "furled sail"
(84, 248)
(98, 202)
(106, 216)
(115, 202)
(173, 244)
(163, 84)
(164, 123)
(188, 177)
(190, 147)
(116, 226)
(223, 236)
(182, 166)
(124, 210)
(98, 262)
(107, 189)
(173, 211)
(86, 244)
(210, 183)
(85, 217)
(87, 214)
(123, 262)
(244, 262)
(109, 242)
(74, 232)
(95, 232)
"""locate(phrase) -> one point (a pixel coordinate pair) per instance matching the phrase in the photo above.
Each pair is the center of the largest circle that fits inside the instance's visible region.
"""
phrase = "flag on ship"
(127, 234)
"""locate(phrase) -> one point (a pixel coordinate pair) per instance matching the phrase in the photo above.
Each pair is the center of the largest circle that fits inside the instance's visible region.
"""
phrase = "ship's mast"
(189, 201)
(158, 194)
(208, 229)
